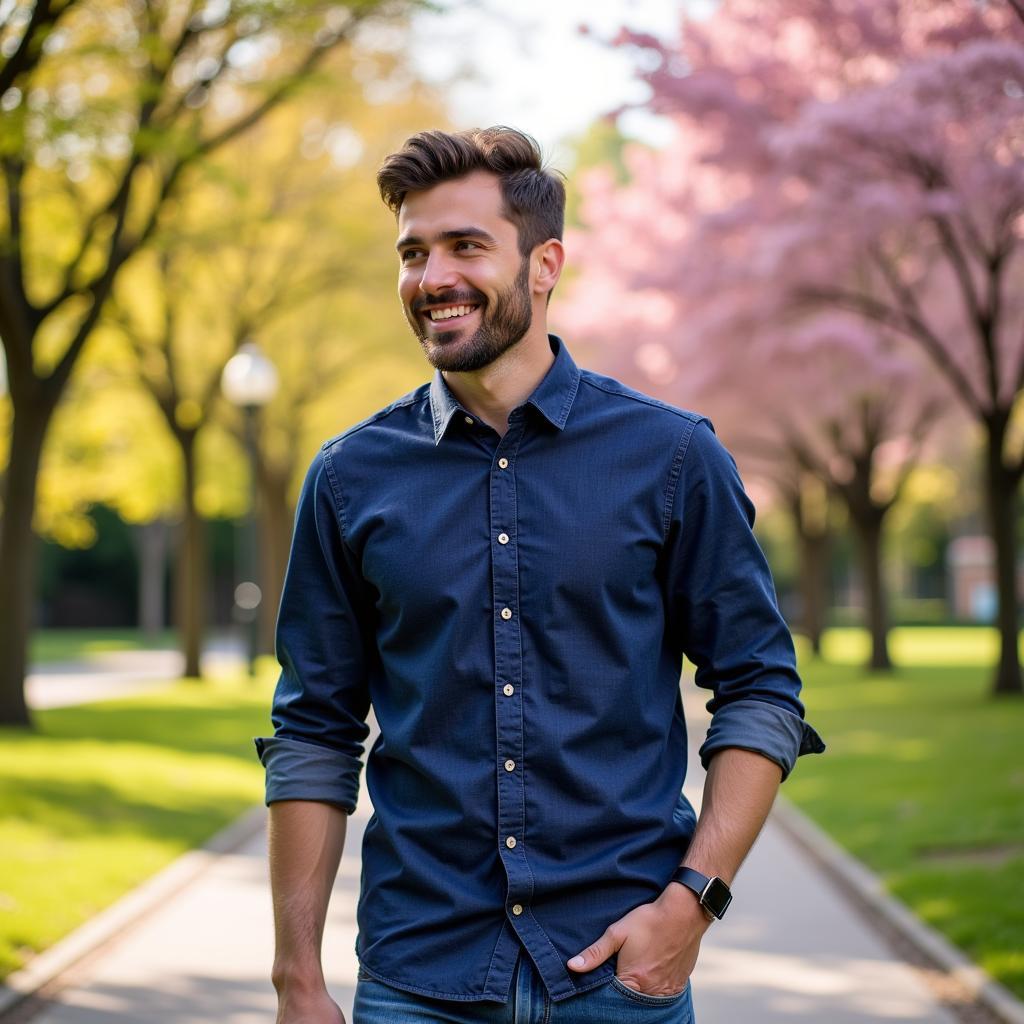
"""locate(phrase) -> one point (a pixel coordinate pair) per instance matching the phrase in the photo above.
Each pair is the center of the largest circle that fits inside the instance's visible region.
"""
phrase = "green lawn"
(924, 781)
(107, 794)
(73, 644)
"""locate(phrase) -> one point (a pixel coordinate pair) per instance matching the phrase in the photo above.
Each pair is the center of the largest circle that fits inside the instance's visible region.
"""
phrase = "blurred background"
(802, 219)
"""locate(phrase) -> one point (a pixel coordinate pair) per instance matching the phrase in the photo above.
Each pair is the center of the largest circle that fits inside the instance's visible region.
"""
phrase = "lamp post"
(249, 381)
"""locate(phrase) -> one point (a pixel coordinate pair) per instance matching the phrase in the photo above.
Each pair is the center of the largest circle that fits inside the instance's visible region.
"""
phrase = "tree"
(109, 109)
(876, 148)
(268, 248)
(914, 191)
(794, 392)
(853, 414)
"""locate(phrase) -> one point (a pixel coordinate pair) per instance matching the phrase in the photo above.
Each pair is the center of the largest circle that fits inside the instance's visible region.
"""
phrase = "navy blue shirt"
(516, 609)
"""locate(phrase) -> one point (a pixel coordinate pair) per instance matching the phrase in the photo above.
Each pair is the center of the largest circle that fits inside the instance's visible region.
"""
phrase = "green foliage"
(923, 781)
(602, 145)
(287, 203)
(107, 794)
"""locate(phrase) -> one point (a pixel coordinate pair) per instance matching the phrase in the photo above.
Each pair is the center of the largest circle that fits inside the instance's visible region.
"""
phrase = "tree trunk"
(1001, 501)
(18, 560)
(868, 527)
(151, 546)
(275, 526)
(191, 575)
(814, 554)
(808, 507)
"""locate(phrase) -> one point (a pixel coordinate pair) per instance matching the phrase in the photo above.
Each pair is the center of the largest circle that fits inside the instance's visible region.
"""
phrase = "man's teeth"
(449, 311)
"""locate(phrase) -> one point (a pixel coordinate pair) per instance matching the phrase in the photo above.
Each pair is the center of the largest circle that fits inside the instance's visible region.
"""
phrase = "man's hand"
(308, 1008)
(657, 943)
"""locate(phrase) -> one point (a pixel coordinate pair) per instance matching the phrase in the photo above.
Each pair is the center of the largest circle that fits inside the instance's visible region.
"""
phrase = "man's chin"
(453, 353)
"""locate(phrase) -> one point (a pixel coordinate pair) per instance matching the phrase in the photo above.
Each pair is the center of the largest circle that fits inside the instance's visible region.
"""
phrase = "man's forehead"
(475, 198)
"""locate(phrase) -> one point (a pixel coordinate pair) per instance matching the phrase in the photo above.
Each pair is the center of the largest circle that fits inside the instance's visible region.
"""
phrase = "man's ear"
(547, 261)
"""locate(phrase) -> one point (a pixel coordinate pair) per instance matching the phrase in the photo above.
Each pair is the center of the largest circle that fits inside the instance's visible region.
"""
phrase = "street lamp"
(249, 381)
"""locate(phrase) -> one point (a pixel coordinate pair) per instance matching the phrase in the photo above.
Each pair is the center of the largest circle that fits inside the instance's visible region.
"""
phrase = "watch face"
(717, 897)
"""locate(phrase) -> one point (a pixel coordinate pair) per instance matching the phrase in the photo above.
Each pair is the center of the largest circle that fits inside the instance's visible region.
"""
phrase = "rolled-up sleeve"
(325, 643)
(722, 608)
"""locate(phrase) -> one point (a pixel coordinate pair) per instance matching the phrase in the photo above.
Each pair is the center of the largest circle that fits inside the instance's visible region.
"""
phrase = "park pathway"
(791, 949)
(111, 674)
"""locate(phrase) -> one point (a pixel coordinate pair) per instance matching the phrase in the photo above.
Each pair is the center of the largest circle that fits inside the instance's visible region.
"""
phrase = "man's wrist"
(298, 977)
(685, 907)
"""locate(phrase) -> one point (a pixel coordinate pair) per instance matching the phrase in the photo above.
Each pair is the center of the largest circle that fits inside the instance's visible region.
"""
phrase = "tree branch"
(117, 205)
(907, 323)
(121, 249)
(979, 316)
(30, 47)
(17, 315)
(313, 57)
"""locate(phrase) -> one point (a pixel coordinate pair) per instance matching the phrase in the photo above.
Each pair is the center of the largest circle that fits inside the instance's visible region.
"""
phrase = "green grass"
(73, 644)
(104, 795)
(918, 646)
(924, 781)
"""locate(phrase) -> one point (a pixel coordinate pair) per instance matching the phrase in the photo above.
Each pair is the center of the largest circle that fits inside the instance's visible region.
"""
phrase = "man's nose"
(438, 274)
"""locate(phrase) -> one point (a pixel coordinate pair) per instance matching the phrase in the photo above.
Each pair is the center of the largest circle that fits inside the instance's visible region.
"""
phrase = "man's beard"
(500, 328)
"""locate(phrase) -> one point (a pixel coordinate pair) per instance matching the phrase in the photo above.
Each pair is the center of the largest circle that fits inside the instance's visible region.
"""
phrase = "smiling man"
(508, 564)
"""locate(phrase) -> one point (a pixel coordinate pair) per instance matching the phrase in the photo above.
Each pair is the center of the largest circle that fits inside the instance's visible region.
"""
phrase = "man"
(508, 563)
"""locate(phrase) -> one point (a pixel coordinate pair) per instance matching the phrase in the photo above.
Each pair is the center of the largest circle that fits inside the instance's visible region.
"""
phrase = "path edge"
(864, 885)
(136, 904)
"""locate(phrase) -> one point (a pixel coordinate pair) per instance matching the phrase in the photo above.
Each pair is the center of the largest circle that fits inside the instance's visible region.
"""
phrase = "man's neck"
(493, 392)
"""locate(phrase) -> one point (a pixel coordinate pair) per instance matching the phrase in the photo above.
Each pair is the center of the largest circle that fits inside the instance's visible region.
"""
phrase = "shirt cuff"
(765, 728)
(306, 771)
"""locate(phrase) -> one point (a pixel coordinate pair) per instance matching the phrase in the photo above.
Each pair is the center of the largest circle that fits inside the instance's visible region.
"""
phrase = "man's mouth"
(445, 313)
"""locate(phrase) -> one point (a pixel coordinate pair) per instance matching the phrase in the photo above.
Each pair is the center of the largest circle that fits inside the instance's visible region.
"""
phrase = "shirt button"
(469, 420)
(502, 538)
(510, 765)
(506, 613)
(517, 908)
(503, 462)
(510, 842)
(508, 689)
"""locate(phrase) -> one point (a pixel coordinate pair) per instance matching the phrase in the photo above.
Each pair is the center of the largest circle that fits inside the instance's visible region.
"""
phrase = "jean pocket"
(361, 975)
(643, 997)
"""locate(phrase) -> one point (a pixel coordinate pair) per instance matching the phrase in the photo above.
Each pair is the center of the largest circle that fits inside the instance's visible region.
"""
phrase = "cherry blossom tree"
(867, 159)
(908, 211)
(801, 397)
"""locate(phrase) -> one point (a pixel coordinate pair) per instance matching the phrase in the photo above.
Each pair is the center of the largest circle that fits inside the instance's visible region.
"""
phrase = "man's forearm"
(306, 840)
(738, 794)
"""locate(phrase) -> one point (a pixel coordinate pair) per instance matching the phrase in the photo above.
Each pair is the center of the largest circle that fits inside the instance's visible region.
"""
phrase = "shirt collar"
(553, 396)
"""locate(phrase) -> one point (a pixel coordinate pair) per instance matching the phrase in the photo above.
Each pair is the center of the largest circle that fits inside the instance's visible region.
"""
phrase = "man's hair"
(533, 196)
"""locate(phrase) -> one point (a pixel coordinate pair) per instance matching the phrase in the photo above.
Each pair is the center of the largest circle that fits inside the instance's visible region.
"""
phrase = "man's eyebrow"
(447, 236)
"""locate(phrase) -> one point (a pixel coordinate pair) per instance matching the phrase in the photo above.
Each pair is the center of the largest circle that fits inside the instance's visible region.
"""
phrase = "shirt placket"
(508, 695)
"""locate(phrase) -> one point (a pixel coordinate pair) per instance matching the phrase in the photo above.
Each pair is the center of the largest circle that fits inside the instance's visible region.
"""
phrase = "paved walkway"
(110, 674)
(790, 950)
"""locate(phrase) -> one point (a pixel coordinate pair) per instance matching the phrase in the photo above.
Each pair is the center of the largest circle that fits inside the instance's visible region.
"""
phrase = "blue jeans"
(611, 1003)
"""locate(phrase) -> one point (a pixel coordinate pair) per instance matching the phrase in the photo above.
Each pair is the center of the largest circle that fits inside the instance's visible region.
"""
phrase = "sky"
(531, 68)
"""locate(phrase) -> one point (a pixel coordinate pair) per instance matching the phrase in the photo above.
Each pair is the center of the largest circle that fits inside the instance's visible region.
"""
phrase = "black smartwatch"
(712, 893)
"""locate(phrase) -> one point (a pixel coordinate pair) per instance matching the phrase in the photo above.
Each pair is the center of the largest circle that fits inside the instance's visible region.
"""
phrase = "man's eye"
(410, 254)
(465, 243)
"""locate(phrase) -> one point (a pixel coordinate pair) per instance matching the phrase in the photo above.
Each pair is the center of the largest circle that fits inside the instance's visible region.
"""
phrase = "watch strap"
(699, 884)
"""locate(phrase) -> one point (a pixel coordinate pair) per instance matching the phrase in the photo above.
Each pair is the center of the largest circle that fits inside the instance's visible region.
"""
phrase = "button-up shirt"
(516, 608)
